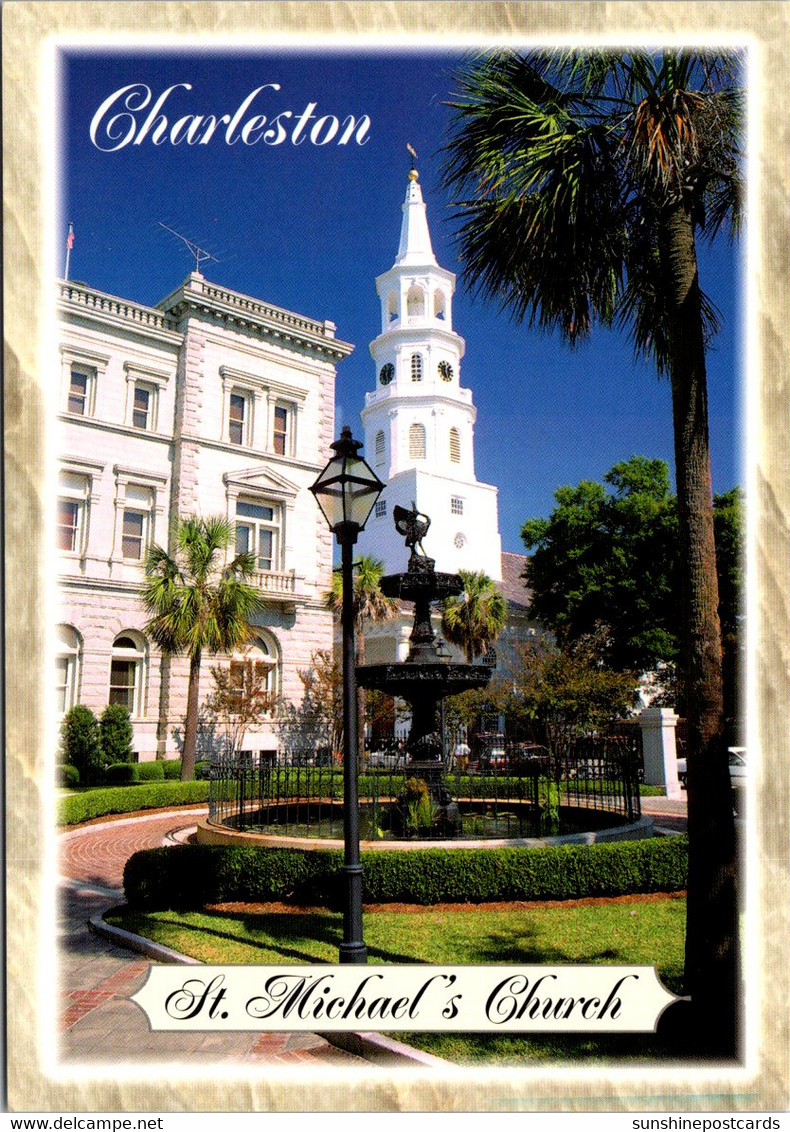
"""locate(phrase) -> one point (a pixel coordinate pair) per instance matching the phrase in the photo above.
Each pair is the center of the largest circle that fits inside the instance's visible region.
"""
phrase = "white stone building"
(210, 403)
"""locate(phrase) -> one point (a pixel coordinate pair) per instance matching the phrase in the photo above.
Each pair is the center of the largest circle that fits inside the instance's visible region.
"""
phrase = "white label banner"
(597, 998)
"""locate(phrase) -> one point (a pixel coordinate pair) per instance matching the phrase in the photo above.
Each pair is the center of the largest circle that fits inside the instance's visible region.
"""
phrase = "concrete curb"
(154, 815)
(372, 1047)
(156, 951)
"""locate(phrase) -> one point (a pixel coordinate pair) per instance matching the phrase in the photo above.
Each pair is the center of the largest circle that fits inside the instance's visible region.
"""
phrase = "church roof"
(512, 587)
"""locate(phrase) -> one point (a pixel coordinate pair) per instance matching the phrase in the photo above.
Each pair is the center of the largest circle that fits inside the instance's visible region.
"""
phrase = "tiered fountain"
(424, 679)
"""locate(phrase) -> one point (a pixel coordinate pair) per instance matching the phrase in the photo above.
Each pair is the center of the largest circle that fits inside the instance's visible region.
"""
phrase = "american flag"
(70, 237)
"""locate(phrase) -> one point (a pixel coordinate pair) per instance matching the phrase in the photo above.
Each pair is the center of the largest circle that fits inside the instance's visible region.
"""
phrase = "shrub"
(202, 770)
(151, 772)
(122, 774)
(80, 743)
(122, 800)
(172, 768)
(115, 730)
(68, 776)
(191, 876)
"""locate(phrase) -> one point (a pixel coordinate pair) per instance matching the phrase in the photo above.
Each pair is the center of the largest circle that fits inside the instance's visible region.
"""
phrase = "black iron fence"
(507, 791)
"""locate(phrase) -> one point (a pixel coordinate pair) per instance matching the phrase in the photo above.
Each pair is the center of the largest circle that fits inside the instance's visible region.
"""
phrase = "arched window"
(455, 446)
(256, 674)
(380, 447)
(439, 305)
(416, 442)
(416, 367)
(127, 672)
(67, 667)
(415, 301)
(392, 306)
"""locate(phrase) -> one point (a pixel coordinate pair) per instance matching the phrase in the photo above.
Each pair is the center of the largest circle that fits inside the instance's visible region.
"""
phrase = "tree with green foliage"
(370, 604)
(115, 730)
(584, 179)
(80, 743)
(475, 618)
(609, 559)
(199, 603)
(561, 694)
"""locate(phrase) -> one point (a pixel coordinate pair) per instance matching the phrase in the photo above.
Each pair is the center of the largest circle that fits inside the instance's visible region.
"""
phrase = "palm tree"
(584, 181)
(196, 603)
(474, 620)
(370, 604)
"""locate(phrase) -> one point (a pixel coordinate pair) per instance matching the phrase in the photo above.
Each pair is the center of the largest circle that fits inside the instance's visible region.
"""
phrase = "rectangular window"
(381, 508)
(71, 513)
(280, 430)
(78, 392)
(62, 683)
(258, 533)
(122, 681)
(136, 521)
(236, 684)
(133, 534)
(456, 506)
(142, 416)
(68, 524)
(237, 419)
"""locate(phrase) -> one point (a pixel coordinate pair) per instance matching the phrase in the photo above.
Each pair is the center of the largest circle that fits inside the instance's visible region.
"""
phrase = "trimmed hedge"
(121, 774)
(172, 768)
(151, 772)
(68, 776)
(190, 876)
(127, 799)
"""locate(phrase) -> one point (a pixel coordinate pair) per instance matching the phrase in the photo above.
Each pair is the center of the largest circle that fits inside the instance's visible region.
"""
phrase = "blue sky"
(309, 226)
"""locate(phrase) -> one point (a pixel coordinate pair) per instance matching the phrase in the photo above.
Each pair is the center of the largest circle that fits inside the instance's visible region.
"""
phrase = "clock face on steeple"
(445, 371)
(387, 373)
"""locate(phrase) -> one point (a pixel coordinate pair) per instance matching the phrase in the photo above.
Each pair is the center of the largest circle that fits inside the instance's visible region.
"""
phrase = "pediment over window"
(261, 479)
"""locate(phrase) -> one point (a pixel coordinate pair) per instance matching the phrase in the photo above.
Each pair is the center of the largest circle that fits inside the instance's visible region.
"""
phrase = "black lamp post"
(346, 491)
(445, 656)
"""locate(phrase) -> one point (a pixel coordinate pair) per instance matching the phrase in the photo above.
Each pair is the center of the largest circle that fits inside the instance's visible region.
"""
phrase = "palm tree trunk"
(711, 967)
(190, 724)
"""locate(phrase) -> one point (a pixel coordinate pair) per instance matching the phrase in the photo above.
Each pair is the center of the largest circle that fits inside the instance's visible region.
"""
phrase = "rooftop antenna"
(199, 253)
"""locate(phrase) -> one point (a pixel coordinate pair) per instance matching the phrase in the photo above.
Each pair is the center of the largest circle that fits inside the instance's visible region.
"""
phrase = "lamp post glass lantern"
(346, 491)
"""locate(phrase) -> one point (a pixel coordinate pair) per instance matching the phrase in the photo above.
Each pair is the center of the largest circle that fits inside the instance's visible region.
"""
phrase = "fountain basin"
(209, 833)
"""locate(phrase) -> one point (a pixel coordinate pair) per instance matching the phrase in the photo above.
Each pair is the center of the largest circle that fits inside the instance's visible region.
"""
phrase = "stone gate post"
(659, 750)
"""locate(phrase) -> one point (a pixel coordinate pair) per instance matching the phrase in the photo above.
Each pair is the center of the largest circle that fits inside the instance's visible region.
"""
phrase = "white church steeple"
(415, 239)
(419, 421)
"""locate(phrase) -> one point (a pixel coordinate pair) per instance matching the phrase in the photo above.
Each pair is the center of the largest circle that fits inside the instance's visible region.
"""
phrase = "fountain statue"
(423, 680)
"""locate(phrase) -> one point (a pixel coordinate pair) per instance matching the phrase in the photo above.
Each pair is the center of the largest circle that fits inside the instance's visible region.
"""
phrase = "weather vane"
(413, 153)
(199, 253)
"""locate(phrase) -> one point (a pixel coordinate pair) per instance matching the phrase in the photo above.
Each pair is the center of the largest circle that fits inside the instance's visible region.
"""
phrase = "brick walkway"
(98, 1023)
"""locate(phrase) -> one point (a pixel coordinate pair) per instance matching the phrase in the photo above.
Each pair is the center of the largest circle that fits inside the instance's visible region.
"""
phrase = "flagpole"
(69, 245)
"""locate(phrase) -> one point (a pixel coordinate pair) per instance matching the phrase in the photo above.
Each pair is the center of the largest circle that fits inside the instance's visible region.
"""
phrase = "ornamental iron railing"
(515, 791)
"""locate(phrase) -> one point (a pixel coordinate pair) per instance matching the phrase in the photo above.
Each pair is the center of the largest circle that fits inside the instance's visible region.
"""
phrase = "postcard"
(374, 377)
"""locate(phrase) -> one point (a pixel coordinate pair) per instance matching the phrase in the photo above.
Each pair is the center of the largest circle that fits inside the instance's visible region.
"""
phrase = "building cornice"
(197, 298)
(107, 310)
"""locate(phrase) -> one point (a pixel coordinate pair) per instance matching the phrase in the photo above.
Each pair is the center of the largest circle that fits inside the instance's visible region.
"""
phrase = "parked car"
(386, 760)
(737, 763)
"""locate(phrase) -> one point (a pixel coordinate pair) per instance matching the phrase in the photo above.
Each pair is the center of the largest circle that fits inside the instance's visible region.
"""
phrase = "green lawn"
(628, 932)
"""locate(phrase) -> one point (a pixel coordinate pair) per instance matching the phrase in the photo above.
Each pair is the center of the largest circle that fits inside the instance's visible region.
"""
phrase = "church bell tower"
(419, 421)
